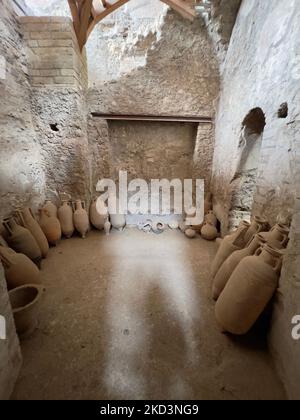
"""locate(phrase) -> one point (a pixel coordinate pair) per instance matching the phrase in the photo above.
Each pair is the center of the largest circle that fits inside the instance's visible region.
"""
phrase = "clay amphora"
(190, 233)
(209, 232)
(211, 218)
(107, 227)
(81, 218)
(229, 265)
(278, 236)
(207, 203)
(25, 302)
(50, 226)
(98, 214)
(257, 225)
(21, 240)
(183, 226)
(65, 217)
(19, 269)
(28, 220)
(51, 208)
(249, 290)
(230, 243)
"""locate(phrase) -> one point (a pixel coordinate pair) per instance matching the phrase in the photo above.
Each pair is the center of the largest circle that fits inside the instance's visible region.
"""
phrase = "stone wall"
(262, 71)
(150, 150)
(163, 85)
(166, 85)
(21, 173)
(58, 75)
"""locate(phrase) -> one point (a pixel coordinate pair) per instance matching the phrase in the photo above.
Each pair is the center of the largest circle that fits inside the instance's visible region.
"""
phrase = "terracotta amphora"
(98, 213)
(229, 265)
(190, 233)
(209, 231)
(28, 220)
(81, 218)
(207, 203)
(51, 208)
(50, 226)
(278, 236)
(211, 218)
(21, 240)
(18, 269)
(65, 217)
(229, 244)
(249, 290)
(183, 226)
(258, 225)
(25, 302)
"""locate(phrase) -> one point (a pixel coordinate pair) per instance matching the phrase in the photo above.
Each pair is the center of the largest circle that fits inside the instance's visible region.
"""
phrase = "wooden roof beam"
(183, 8)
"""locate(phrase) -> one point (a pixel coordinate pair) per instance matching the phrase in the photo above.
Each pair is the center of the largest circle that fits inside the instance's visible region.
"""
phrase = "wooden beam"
(85, 19)
(161, 118)
(75, 15)
(183, 8)
(109, 9)
(85, 16)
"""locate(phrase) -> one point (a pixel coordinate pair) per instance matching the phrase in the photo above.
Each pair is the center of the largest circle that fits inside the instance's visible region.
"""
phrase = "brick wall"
(53, 53)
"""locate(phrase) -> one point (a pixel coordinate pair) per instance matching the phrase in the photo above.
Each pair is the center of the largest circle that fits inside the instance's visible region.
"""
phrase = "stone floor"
(130, 316)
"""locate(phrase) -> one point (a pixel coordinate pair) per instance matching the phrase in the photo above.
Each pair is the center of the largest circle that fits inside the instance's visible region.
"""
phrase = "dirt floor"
(130, 316)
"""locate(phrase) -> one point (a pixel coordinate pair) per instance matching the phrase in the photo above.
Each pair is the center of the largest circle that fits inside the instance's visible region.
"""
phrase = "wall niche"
(243, 184)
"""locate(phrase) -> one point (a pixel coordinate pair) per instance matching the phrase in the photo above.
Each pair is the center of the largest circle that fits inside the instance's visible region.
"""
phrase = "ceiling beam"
(86, 15)
(183, 8)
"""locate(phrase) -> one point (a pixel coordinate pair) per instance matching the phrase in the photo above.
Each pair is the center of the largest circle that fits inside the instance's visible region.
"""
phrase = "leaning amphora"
(81, 218)
(28, 220)
(249, 290)
(50, 226)
(18, 268)
(65, 217)
(229, 265)
(21, 240)
(278, 236)
(229, 244)
(258, 224)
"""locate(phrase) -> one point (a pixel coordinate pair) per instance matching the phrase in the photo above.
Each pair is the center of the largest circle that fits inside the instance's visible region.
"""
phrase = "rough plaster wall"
(58, 77)
(66, 161)
(203, 153)
(262, 70)
(10, 353)
(151, 150)
(122, 40)
(220, 22)
(22, 178)
(167, 84)
(265, 76)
